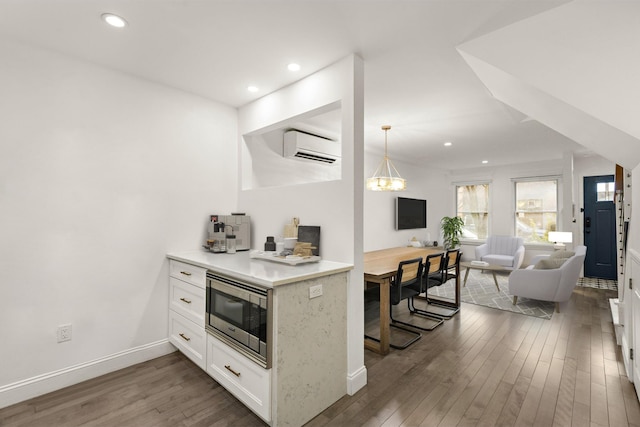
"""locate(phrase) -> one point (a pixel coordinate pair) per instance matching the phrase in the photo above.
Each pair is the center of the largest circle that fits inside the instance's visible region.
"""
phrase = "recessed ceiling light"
(114, 20)
(484, 162)
(293, 67)
(448, 144)
(252, 89)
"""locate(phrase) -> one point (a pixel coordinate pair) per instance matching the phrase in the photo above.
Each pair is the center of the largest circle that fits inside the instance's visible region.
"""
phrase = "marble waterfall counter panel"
(310, 344)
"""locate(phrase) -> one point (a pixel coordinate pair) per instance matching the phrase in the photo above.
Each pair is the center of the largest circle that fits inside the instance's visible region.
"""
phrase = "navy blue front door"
(600, 227)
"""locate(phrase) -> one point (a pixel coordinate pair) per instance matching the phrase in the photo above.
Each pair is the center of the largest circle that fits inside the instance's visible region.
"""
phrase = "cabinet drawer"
(187, 300)
(249, 382)
(191, 339)
(189, 273)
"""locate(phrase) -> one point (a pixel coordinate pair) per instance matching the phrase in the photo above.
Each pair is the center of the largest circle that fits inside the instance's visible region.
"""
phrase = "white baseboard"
(356, 380)
(51, 381)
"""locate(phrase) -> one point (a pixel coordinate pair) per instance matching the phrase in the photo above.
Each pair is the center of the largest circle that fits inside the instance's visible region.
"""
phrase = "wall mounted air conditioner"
(302, 145)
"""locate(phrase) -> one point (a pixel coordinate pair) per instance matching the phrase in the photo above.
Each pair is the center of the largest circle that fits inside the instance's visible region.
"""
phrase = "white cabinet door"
(242, 377)
(188, 300)
(189, 273)
(190, 338)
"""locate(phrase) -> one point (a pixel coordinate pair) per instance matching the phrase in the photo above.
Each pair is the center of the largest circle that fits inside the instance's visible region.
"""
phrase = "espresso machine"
(237, 224)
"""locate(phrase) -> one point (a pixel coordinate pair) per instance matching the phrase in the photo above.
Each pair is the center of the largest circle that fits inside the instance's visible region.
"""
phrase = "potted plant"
(451, 231)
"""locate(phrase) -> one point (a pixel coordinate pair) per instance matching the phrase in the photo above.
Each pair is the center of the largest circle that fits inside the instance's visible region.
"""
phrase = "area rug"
(481, 290)
(594, 282)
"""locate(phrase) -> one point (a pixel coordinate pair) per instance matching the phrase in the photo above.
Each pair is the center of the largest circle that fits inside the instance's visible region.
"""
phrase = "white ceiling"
(415, 80)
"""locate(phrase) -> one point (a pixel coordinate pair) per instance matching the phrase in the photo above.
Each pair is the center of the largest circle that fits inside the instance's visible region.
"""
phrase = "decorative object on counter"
(303, 249)
(270, 244)
(290, 243)
(415, 242)
(283, 259)
(291, 229)
(231, 243)
(451, 231)
(279, 245)
(310, 234)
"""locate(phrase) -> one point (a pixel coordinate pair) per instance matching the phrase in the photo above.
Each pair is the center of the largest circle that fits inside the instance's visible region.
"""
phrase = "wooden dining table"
(379, 267)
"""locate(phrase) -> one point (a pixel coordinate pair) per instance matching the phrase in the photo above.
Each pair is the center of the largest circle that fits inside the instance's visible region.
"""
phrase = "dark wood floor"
(484, 367)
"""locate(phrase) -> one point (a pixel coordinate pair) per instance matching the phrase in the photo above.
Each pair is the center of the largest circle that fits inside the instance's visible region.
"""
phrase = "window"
(536, 209)
(472, 205)
(605, 191)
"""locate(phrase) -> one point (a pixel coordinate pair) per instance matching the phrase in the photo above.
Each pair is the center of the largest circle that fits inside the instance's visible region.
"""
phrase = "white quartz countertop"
(258, 271)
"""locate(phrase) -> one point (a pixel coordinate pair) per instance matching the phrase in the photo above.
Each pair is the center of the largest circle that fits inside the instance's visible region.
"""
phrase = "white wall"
(101, 174)
(379, 206)
(591, 97)
(336, 206)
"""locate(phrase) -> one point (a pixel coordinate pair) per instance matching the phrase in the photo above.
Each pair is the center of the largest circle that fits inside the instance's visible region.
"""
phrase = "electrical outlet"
(315, 291)
(64, 333)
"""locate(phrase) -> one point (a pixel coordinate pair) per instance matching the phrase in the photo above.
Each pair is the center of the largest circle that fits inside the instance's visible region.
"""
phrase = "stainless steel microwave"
(240, 314)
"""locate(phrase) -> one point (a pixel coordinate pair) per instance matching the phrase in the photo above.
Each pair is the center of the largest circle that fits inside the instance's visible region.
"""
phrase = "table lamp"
(559, 238)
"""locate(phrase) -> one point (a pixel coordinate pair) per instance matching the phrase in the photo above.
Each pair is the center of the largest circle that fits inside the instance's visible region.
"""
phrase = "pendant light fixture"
(386, 176)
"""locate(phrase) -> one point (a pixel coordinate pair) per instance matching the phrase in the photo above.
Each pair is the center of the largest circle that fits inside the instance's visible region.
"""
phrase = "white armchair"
(505, 251)
(553, 284)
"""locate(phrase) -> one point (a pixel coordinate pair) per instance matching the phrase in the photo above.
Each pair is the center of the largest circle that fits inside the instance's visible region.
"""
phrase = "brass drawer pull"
(186, 273)
(237, 374)
(184, 337)
(185, 300)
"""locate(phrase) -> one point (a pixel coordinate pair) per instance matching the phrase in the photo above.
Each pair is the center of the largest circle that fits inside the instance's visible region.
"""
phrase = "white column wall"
(336, 206)
(101, 174)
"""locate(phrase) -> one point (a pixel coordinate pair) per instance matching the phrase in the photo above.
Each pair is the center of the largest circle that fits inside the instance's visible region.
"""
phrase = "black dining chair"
(406, 284)
(449, 269)
(432, 275)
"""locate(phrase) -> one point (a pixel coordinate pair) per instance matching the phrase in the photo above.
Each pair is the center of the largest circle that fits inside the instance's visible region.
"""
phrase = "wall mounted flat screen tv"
(410, 213)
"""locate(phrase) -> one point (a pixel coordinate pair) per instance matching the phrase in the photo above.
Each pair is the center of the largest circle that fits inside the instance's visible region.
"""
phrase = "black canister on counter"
(270, 244)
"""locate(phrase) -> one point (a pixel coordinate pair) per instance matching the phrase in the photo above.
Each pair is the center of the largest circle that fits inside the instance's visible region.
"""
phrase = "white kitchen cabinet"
(190, 338)
(187, 292)
(188, 273)
(187, 300)
(250, 383)
(308, 370)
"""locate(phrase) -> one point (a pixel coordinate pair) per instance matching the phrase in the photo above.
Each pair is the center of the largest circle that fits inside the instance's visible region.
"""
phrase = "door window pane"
(605, 191)
(473, 207)
(536, 209)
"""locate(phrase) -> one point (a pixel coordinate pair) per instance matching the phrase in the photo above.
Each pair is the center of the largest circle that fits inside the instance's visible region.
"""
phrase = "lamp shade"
(560, 236)
(386, 176)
